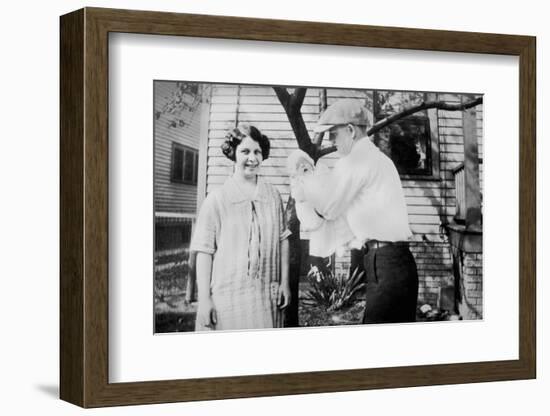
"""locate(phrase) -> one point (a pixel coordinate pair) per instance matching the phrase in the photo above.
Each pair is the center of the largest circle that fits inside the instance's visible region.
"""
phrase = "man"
(365, 189)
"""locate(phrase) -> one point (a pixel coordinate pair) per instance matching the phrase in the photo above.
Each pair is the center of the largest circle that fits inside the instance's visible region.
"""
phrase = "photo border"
(84, 217)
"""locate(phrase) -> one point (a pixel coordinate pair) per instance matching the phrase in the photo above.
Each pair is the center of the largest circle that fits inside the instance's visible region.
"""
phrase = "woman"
(241, 244)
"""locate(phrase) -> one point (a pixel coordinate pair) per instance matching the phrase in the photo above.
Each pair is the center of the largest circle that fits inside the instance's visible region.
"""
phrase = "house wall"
(430, 203)
(170, 196)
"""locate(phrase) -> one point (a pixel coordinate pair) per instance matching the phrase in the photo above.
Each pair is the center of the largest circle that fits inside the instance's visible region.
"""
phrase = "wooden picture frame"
(84, 207)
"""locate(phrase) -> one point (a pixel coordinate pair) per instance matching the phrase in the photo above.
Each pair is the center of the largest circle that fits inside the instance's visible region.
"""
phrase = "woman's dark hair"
(234, 137)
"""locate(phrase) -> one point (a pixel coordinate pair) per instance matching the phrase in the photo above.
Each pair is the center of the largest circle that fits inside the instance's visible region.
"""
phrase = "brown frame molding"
(84, 207)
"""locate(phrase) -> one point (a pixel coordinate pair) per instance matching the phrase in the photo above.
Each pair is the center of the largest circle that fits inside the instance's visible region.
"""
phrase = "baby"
(326, 236)
(301, 168)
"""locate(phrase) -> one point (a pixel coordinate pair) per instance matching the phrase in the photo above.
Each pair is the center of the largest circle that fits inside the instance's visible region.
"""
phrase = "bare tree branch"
(283, 96)
(327, 150)
(292, 103)
(318, 140)
(298, 97)
(441, 105)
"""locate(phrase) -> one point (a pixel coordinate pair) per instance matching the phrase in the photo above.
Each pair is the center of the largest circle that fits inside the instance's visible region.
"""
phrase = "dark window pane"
(196, 173)
(188, 166)
(406, 141)
(177, 164)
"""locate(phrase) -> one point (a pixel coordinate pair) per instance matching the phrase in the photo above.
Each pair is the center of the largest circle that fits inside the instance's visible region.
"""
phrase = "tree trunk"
(292, 104)
(295, 248)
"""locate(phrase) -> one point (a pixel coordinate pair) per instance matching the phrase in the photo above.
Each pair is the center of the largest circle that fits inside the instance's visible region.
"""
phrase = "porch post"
(471, 171)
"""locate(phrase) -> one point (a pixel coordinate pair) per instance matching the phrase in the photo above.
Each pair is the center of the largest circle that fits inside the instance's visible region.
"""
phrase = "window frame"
(431, 117)
(184, 149)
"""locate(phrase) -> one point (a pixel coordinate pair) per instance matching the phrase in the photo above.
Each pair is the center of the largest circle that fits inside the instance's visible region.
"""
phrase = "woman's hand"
(206, 314)
(283, 297)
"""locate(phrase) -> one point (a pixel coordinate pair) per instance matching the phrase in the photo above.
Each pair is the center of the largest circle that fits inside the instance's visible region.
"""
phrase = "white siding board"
(450, 122)
(261, 117)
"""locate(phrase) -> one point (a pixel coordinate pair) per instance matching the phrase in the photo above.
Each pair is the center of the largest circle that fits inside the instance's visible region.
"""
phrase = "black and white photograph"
(292, 206)
(275, 208)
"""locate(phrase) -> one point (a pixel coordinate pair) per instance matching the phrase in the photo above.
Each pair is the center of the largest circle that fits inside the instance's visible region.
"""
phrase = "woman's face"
(248, 157)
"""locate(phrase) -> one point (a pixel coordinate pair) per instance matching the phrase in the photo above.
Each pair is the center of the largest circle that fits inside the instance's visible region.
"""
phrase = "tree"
(292, 104)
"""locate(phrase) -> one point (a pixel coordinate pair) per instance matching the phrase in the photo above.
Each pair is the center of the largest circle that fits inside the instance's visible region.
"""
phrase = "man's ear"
(352, 131)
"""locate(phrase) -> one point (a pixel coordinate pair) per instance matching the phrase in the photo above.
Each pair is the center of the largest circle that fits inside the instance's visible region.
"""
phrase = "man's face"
(341, 136)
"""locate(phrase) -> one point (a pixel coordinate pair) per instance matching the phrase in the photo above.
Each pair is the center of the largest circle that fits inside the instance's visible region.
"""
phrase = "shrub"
(332, 292)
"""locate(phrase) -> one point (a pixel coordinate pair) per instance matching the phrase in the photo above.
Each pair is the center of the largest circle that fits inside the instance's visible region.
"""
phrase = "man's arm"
(331, 193)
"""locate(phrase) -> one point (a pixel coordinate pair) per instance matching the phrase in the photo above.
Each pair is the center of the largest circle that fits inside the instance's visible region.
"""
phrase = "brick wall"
(471, 286)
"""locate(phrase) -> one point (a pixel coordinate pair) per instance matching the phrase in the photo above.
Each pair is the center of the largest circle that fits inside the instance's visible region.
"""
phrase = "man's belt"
(375, 244)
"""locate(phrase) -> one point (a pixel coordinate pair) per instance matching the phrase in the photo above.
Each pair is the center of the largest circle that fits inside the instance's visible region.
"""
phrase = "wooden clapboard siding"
(271, 127)
(172, 196)
(265, 100)
(430, 201)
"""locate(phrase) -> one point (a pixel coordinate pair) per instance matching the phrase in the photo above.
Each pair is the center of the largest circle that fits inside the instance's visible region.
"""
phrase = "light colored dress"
(244, 236)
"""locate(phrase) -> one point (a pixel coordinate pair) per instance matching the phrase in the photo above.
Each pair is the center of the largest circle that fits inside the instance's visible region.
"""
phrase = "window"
(185, 164)
(407, 141)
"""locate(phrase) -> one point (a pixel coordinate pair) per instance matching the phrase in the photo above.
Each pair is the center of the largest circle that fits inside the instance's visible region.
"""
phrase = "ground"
(317, 316)
(174, 314)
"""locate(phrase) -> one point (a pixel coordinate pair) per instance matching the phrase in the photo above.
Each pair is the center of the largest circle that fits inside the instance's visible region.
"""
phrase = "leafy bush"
(332, 292)
(171, 273)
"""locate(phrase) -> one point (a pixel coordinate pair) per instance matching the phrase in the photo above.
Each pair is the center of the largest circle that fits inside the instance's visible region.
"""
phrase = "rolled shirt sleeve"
(365, 188)
(331, 193)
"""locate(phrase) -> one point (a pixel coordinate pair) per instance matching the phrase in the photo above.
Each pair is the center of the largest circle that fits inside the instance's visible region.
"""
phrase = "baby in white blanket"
(326, 236)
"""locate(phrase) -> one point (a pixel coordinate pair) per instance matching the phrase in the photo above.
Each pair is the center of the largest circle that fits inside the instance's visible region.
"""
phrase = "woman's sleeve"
(206, 228)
